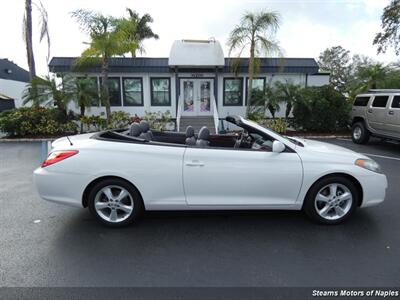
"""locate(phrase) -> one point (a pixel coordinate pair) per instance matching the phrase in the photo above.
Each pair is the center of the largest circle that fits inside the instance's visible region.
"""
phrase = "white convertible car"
(119, 174)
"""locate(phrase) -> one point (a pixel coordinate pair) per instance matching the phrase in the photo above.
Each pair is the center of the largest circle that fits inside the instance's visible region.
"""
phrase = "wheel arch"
(95, 181)
(357, 119)
(339, 174)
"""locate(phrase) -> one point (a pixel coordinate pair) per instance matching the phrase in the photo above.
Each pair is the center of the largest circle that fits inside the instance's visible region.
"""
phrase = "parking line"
(381, 156)
(343, 139)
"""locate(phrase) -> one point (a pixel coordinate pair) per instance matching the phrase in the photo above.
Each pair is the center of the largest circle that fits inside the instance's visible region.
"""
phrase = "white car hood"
(317, 146)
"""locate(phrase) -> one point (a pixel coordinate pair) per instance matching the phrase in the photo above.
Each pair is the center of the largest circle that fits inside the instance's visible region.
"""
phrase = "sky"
(307, 26)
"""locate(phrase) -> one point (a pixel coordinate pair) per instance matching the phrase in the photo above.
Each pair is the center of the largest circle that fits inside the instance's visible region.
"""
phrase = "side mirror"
(278, 147)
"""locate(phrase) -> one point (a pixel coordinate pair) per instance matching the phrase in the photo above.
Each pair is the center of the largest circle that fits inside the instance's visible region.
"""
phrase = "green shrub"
(119, 119)
(321, 109)
(30, 121)
(157, 120)
(97, 123)
(278, 125)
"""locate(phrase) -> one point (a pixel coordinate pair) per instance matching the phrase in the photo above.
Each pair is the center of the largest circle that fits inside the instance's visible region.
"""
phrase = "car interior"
(247, 138)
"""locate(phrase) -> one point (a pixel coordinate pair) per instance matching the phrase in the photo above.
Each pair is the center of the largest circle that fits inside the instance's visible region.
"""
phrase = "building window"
(233, 91)
(133, 91)
(258, 87)
(114, 91)
(160, 91)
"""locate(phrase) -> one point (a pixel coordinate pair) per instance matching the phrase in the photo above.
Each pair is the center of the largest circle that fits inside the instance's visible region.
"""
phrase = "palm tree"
(47, 91)
(255, 31)
(109, 37)
(27, 28)
(372, 76)
(83, 93)
(143, 31)
(271, 100)
(289, 92)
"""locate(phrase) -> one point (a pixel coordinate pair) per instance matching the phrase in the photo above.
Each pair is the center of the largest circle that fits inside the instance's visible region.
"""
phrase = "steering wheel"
(239, 140)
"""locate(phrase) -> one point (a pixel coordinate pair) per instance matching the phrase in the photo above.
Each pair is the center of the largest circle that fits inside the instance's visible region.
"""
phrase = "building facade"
(13, 80)
(195, 81)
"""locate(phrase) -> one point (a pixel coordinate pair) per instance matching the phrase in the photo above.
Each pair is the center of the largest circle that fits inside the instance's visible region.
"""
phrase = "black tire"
(135, 196)
(359, 133)
(309, 206)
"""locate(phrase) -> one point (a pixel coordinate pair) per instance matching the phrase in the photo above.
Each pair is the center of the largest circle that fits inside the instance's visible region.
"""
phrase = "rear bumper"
(374, 189)
(63, 188)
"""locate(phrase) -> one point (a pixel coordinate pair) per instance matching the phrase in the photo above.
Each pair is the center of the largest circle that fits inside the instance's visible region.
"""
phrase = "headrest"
(135, 130)
(189, 131)
(204, 133)
(144, 125)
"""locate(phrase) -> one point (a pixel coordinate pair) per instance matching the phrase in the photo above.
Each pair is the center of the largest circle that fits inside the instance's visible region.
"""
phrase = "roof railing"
(384, 91)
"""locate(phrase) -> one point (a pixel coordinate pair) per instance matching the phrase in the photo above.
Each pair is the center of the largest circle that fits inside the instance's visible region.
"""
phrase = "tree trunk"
(251, 75)
(28, 38)
(82, 115)
(288, 109)
(105, 98)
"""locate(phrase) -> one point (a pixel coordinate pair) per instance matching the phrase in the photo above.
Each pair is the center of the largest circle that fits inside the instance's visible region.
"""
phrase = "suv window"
(396, 102)
(380, 101)
(361, 101)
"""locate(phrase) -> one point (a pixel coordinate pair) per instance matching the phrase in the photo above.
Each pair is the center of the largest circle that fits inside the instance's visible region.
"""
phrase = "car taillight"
(56, 156)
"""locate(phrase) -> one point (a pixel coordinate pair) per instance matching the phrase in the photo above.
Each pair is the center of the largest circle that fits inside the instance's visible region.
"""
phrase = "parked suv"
(376, 113)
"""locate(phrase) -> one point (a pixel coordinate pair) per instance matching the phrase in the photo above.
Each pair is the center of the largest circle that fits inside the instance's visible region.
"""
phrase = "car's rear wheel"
(359, 133)
(115, 202)
(331, 200)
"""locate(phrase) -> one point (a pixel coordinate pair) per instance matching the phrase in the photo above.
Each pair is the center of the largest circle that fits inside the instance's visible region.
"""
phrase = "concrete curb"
(26, 140)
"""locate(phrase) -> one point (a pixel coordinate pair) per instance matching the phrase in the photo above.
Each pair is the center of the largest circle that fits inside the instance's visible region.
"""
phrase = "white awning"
(196, 53)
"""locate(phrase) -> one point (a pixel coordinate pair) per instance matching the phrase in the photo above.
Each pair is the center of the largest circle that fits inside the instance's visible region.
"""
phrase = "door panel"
(189, 96)
(377, 112)
(393, 115)
(241, 177)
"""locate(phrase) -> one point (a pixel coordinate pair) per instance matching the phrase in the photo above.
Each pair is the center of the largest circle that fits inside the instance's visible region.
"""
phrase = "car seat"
(146, 132)
(190, 138)
(202, 139)
(135, 130)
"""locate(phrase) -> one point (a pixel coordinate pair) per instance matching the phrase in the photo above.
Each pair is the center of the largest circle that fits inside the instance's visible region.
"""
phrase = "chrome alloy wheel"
(333, 201)
(113, 203)
(357, 133)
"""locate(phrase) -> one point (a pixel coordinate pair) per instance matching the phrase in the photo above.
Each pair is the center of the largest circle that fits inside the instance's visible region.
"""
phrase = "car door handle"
(370, 110)
(391, 112)
(194, 163)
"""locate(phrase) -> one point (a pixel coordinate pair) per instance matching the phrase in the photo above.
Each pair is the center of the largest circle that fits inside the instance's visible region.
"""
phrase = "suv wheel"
(359, 134)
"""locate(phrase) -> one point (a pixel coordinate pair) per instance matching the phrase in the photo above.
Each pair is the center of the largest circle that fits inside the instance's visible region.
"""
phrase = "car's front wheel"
(359, 133)
(115, 202)
(331, 200)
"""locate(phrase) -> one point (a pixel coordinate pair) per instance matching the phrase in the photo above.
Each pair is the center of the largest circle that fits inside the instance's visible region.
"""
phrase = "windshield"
(263, 128)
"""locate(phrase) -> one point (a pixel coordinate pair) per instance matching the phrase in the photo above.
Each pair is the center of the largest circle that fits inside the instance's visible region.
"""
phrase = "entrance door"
(197, 97)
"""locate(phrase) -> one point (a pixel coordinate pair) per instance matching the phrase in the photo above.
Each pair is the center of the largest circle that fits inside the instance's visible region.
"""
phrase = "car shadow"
(203, 225)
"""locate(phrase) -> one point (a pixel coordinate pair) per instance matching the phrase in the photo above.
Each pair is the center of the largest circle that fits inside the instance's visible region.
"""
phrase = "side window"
(380, 101)
(396, 102)
(261, 143)
(361, 101)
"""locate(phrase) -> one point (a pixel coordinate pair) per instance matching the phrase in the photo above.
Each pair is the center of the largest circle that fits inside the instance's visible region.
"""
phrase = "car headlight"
(368, 164)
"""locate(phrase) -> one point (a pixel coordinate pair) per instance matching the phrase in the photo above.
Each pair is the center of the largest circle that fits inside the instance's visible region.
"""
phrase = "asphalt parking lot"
(44, 244)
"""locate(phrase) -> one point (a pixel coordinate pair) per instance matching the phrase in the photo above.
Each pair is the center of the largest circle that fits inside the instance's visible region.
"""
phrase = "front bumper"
(63, 188)
(374, 189)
